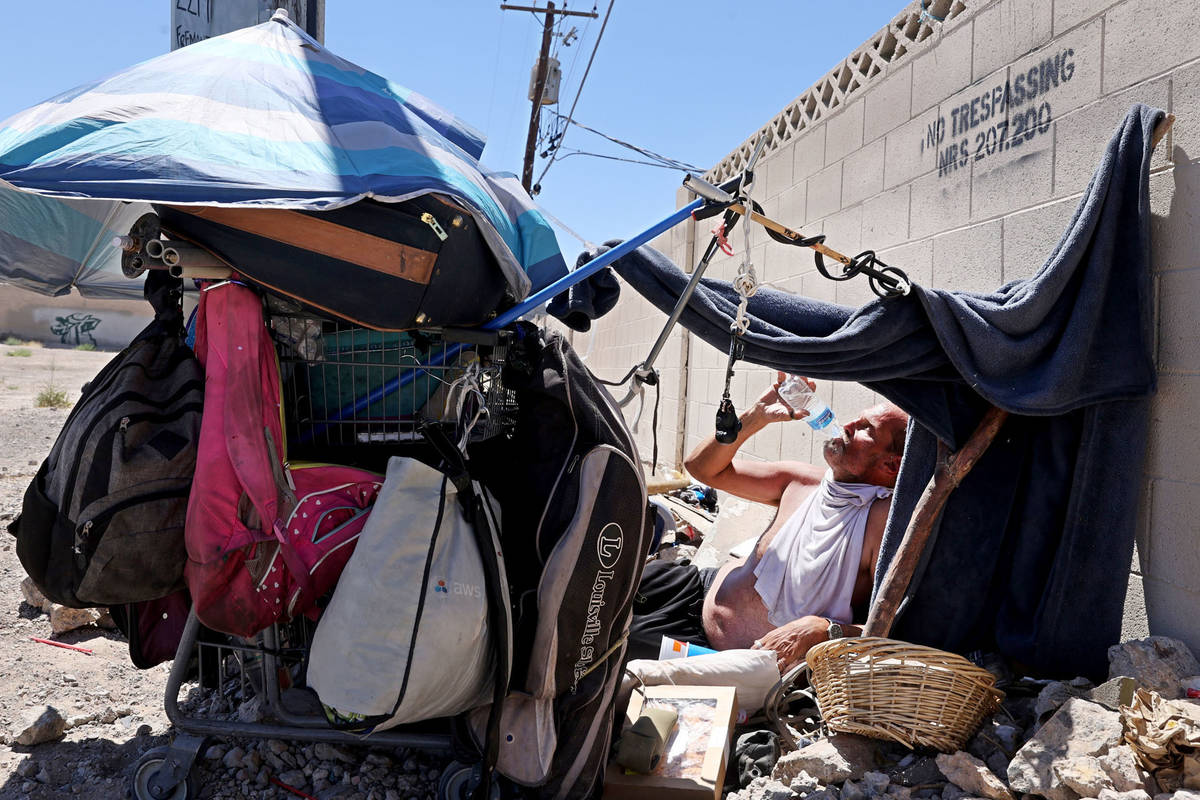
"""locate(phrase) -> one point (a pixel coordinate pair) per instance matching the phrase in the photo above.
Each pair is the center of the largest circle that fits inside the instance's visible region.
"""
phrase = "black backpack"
(102, 521)
(574, 530)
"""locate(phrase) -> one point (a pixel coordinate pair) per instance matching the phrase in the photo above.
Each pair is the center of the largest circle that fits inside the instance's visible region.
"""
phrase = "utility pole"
(540, 84)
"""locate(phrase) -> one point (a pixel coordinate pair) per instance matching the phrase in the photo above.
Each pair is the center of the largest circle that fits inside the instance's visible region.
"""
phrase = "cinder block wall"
(900, 149)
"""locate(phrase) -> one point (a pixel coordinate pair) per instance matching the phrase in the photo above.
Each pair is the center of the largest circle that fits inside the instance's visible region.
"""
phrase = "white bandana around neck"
(811, 564)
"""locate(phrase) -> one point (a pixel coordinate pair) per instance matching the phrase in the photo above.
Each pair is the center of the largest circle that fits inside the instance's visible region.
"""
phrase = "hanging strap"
(486, 538)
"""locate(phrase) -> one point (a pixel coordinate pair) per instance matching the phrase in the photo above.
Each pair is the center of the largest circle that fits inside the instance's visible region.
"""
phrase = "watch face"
(835, 630)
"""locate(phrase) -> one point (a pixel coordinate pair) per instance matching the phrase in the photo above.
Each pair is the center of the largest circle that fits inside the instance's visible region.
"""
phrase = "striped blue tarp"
(262, 117)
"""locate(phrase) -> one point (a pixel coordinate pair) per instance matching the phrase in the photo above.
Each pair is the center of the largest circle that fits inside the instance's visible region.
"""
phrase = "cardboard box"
(693, 765)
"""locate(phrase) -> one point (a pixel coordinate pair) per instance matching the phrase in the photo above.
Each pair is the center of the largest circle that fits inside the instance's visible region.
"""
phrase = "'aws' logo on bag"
(608, 545)
(456, 588)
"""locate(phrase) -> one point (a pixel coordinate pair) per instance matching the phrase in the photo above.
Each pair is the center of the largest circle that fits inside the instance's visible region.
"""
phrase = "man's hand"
(772, 407)
(791, 641)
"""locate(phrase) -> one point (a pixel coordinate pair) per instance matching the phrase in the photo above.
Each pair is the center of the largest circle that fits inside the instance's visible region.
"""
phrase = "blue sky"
(690, 80)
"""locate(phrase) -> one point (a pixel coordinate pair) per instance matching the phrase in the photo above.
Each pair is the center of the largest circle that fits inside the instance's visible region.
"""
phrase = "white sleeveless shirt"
(811, 565)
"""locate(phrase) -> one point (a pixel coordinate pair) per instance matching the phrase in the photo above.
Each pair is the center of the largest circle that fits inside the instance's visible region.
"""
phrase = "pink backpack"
(264, 539)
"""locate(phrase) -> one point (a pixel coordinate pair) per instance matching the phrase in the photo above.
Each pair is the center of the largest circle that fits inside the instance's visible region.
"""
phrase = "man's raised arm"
(713, 463)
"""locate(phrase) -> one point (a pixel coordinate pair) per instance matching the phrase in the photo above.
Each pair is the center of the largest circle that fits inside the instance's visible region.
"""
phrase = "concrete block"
(1007, 30)
(1178, 299)
(843, 231)
(912, 149)
(854, 293)
(1175, 218)
(1069, 13)
(1011, 179)
(969, 114)
(942, 70)
(819, 287)
(792, 211)
(844, 132)
(885, 219)
(777, 170)
(914, 259)
(809, 156)
(1146, 37)
(1184, 137)
(780, 263)
(765, 444)
(1141, 534)
(1057, 78)
(796, 443)
(888, 104)
(1134, 621)
(849, 399)
(939, 203)
(862, 173)
(1174, 427)
(1081, 136)
(1171, 611)
(825, 192)
(1031, 236)
(969, 259)
(1174, 556)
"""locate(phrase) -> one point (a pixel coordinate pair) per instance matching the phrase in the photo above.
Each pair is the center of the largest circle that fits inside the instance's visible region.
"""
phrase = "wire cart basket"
(354, 396)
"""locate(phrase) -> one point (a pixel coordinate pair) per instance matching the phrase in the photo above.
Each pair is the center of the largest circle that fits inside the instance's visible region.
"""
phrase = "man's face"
(864, 452)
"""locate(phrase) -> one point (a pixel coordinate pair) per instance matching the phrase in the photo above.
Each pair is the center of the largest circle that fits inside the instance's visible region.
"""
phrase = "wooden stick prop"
(1160, 130)
(885, 281)
(704, 189)
(951, 468)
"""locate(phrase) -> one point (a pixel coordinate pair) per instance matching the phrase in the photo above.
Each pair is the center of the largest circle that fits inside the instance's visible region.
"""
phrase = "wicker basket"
(887, 689)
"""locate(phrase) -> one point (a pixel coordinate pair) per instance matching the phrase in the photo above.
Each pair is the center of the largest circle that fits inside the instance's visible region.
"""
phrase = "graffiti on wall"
(77, 325)
(1001, 118)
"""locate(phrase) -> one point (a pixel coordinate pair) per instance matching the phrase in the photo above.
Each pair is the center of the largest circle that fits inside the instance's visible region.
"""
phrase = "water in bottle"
(795, 392)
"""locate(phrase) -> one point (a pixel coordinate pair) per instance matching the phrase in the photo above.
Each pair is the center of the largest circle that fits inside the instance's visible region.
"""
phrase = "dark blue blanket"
(1033, 550)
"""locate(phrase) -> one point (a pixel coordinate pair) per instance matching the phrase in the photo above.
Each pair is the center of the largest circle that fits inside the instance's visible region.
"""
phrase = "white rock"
(965, 770)
(1084, 775)
(1136, 794)
(1122, 767)
(1079, 728)
(831, 760)
(1157, 662)
(63, 619)
(33, 595)
(40, 725)
(766, 789)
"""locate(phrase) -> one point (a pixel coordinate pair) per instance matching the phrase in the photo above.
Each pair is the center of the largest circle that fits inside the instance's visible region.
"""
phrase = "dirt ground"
(93, 756)
(115, 711)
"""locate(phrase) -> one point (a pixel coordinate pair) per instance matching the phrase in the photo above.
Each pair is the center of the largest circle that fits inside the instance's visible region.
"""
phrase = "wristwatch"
(835, 630)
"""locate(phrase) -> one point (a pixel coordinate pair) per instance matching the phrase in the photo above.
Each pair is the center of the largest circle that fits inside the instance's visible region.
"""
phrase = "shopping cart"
(354, 396)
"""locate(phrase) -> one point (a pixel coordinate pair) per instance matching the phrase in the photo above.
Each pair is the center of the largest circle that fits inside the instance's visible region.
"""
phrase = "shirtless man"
(819, 564)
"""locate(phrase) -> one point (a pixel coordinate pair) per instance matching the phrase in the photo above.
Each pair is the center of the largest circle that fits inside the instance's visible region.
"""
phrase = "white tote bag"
(406, 635)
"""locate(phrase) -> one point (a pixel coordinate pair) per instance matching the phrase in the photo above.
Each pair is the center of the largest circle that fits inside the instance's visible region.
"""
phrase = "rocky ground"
(1134, 737)
(106, 713)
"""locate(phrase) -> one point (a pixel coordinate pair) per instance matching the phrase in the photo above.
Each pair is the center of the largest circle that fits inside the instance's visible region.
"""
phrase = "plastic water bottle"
(798, 396)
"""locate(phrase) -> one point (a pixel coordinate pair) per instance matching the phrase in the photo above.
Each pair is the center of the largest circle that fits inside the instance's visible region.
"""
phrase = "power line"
(664, 160)
(579, 91)
(569, 153)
